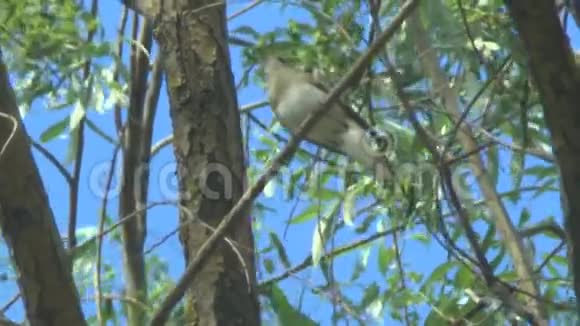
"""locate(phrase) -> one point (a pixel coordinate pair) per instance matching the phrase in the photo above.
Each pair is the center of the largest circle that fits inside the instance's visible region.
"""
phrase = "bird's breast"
(297, 103)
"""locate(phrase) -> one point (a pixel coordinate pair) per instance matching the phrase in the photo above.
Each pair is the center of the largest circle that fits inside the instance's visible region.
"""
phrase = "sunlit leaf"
(318, 241)
(76, 116)
(385, 257)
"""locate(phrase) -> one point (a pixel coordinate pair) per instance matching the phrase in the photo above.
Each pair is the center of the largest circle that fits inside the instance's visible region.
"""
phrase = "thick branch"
(45, 277)
(556, 77)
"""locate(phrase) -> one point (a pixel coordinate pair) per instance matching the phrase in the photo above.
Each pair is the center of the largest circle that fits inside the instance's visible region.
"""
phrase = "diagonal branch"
(162, 314)
(556, 78)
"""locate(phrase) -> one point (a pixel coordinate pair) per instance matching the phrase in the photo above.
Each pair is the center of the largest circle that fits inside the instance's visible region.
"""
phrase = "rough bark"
(44, 274)
(557, 80)
(210, 160)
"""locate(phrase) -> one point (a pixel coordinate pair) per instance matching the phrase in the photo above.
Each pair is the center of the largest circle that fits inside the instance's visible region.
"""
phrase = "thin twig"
(401, 275)
(10, 303)
(118, 65)
(50, 157)
(537, 152)
(76, 250)
(101, 228)
(245, 9)
(162, 143)
(463, 15)
(252, 106)
(159, 145)
(307, 262)
(80, 142)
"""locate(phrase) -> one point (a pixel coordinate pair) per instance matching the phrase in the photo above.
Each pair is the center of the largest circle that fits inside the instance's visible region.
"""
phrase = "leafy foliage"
(369, 254)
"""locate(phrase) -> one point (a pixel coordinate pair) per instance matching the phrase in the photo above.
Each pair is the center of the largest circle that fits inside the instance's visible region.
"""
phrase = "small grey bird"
(294, 94)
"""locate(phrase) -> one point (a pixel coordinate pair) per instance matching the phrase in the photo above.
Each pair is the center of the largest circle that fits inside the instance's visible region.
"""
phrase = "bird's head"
(272, 64)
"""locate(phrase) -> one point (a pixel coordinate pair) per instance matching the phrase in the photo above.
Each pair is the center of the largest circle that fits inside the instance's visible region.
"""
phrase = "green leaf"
(270, 188)
(54, 131)
(517, 169)
(318, 241)
(463, 278)
(97, 130)
(307, 214)
(541, 172)
(494, 263)
(287, 314)
(73, 146)
(348, 207)
(247, 30)
(76, 116)
(361, 263)
(275, 241)
(440, 272)
(421, 237)
(375, 309)
(99, 99)
(269, 265)
(371, 293)
(385, 257)
(493, 165)
(524, 217)
(488, 239)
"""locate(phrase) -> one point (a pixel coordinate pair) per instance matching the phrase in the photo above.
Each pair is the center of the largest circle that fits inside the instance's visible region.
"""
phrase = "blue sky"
(162, 220)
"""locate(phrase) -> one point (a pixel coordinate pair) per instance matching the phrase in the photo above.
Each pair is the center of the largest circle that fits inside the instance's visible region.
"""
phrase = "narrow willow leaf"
(269, 265)
(270, 188)
(318, 241)
(517, 166)
(375, 309)
(247, 30)
(96, 129)
(307, 214)
(99, 99)
(322, 232)
(287, 314)
(493, 166)
(371, 293)
(275, 241)
(439, 273)
(77, 115)
(54, 131)
(348, 208)
(385, 257)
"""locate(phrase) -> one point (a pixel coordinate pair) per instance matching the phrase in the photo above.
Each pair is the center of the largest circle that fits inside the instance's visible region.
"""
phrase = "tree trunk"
(557, 79)
(209, 152)
(44, 273)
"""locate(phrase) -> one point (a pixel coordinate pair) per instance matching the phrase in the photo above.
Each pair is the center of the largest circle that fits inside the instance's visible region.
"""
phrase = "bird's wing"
(347, 110)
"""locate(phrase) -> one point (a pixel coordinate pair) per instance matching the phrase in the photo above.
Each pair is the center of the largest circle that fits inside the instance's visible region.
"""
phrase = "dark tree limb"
(557, 79)
(27, 223)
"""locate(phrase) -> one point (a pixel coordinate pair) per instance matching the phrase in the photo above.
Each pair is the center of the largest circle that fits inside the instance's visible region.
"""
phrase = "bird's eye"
(381, 141)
